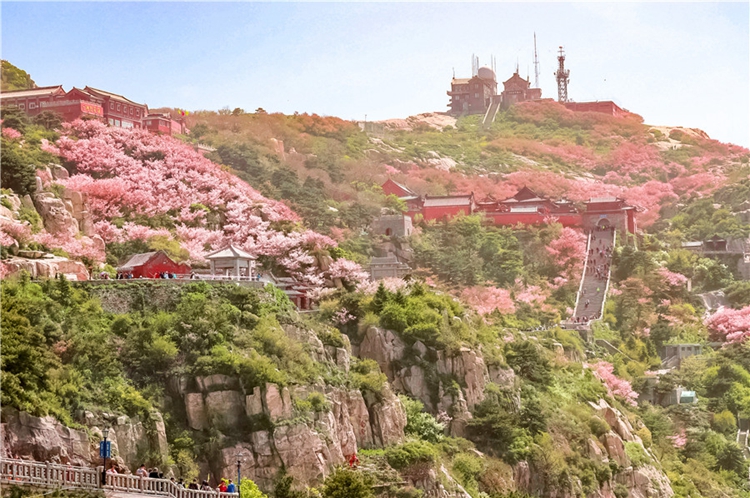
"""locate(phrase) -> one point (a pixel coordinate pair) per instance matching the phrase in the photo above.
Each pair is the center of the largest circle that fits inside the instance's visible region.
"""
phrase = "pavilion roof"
(230, 251)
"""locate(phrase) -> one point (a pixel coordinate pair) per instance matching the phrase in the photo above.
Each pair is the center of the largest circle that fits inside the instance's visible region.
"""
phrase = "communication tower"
(562, 76)
(536, 65)
(474, 65)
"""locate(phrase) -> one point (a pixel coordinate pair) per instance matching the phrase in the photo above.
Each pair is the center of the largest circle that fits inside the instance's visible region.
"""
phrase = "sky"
(675, 64)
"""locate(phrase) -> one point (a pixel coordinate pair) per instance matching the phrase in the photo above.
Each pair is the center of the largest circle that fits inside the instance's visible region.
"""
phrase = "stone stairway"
(744, 442)
(489, 116)
(595, 281)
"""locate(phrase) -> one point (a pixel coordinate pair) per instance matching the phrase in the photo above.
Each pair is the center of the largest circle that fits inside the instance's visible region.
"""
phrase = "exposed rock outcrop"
(55, 216)
(383, 346)
(645, 482)
(46, 439)
(388, 418)
(49, 267)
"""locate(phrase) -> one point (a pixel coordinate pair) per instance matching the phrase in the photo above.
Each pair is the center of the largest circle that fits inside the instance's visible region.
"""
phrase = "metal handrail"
(28, 472)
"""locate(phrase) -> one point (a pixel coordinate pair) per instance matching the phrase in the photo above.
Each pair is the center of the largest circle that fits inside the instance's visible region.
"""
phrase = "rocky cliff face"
(278, 434)
(65, 217)
(46, 439)
(422, 378)
(270, 427)
(641, 482)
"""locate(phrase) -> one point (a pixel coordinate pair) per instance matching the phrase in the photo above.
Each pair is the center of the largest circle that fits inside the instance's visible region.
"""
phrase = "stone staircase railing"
(52, 475)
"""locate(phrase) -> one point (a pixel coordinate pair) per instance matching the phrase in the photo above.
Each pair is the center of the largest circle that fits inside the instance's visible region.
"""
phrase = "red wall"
(437, 213)
(158, 126)
(124, 114)
(74, 111)
(605, 107)
(159, 263)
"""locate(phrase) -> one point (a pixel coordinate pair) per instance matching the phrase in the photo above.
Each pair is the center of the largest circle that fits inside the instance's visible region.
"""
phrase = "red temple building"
(391, 187)
(525, 207)
(151, 264)
(118, 110)
(91, 103)
(71, 105)
(529, 208)
(447, 206)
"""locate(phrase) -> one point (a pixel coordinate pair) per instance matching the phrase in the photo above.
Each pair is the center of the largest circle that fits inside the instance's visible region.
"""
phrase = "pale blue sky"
(684, 64)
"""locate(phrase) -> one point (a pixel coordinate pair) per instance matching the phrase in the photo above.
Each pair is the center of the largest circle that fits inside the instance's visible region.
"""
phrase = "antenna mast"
(562, 76)
(536, 65)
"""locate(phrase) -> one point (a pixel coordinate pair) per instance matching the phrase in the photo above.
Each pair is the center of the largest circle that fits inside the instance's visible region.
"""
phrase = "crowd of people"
(597, 264)
(225, 486)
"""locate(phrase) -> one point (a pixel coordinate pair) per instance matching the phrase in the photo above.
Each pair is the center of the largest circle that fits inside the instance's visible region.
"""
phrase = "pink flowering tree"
(11, 133)
(485, 300)
(133, 174)
(671, 278)
(615, 386)
(568, 251)
(391, 284)
(730, 325)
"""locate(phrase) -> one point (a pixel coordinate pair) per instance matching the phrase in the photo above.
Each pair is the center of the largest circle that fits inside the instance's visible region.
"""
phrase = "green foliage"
(528, 361)
(725, 423)
(283, 487)
(18, 170)
(48, 120)
(499, 429)
(345, 483)
(637, 455)
(410, 453)
(169, 246)
(248, 489)
(314, 402)
(598, 426)
(621, 491)
(738, 294)
(464, 251)
(468, 467)
(367, 376)
(419, 423)
(420, 315)
(31, 216)
(14, 78)
(701, 219)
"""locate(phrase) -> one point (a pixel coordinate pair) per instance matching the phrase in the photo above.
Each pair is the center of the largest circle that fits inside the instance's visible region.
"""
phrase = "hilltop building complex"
(91, 103)
(525, 207)
(478, 94)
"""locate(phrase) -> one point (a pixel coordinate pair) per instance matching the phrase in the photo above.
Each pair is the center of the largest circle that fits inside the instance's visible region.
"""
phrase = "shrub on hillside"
(347, 483)
(410, 453)
(528, 360)
(367, 376)
(420, 423)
